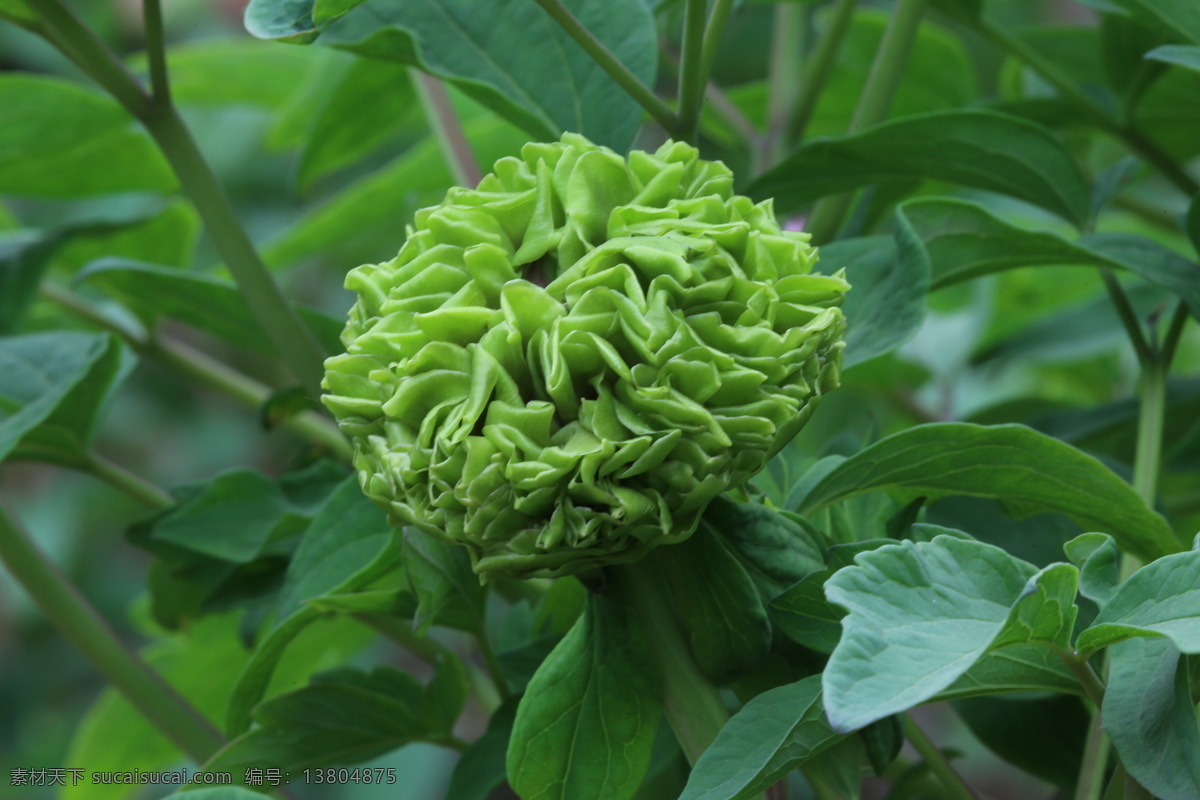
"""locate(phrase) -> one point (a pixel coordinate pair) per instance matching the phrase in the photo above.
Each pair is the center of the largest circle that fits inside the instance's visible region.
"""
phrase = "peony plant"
(564, 365)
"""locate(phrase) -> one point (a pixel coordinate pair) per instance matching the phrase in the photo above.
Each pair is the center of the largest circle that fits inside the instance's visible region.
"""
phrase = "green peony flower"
(563, 367)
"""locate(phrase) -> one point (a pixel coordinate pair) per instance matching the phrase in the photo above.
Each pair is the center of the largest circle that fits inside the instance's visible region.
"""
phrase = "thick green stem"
(691, 69)
(951, 781)
(206, 370)
(814, 78)
(1179, 319)
(712, 39)
(694, 708)
(648, 100)
(156, 51)
(1127, 315)
(79, 623)
(873, 104)
(1093, 687)
(1095, 761)
(783, 80)
(1127, 131)
(1151, 409)
(120, 478)
(294, 341)
(447, 128)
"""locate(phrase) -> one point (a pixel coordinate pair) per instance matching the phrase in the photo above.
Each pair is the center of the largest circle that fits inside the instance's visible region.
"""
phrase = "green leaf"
(344, 716)
(1179, 54)
(922, 614)
(210, 304)
(1020, 668)
(585, 728)
(346, 548)
(215, 72)
(773, 734)
(19, 12)
(1026, 470)
(1041, 735)
(1160, 599)
(24, 256)
(60, 140)
(472, 47)
(1192, 222)
(54, 387)
(803, 613)
(359, 224)
(1150, 716)
(481, 768)
(890, 277)
(1152, 261)
(366, 107)
(448, 590)
(775, 549)
(964, 240)
(981, 149)
(1181, 18)
(233, 518)
(722, 613)
(217, 793)
(1098, 559)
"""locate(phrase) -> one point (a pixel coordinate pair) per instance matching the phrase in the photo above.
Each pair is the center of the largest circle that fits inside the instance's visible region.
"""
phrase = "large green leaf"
(18, 11)
(346, 716)
(472, 46)
(1160, 599)
(1179, 54)
(481, 768)
(1020, 668)
(964, 240)
(210, 304)
(982, 149)
(233, 71)
(1181, 18)
(1026, 470)
(24, 256)
(447, 589)
(361, 223)
(1149, 713)
(775, 548)
(366, 107)
(890, 277)
(773, 734)
(54, 387)
(60, 140)
(1043, 735)
(922, 614)
(585, 727)
(719, 605)
(347, 547)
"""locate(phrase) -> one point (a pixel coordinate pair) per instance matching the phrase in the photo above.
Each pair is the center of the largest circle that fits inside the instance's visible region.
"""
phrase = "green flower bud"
(563, 367)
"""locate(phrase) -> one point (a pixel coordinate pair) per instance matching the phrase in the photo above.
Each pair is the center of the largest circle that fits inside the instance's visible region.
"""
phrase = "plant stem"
(712, 39)
(136, 487)
(401, 632)
(156, 51)
(493, 666)
(1132, 136)
(873, 104)
(294, 341)
(783, 80)
(819, 69)
(693, 707)
(205, 369)
(633, 86)
(951, 781)
(79, 623)
(1174, 331)
(1127, 316)
(691, 74)
(1148, 451)
(1095, 761)
(1093, 687)
(447, 128)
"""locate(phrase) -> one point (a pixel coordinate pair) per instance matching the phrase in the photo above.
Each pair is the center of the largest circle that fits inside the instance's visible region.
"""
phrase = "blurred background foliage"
(326, 156)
